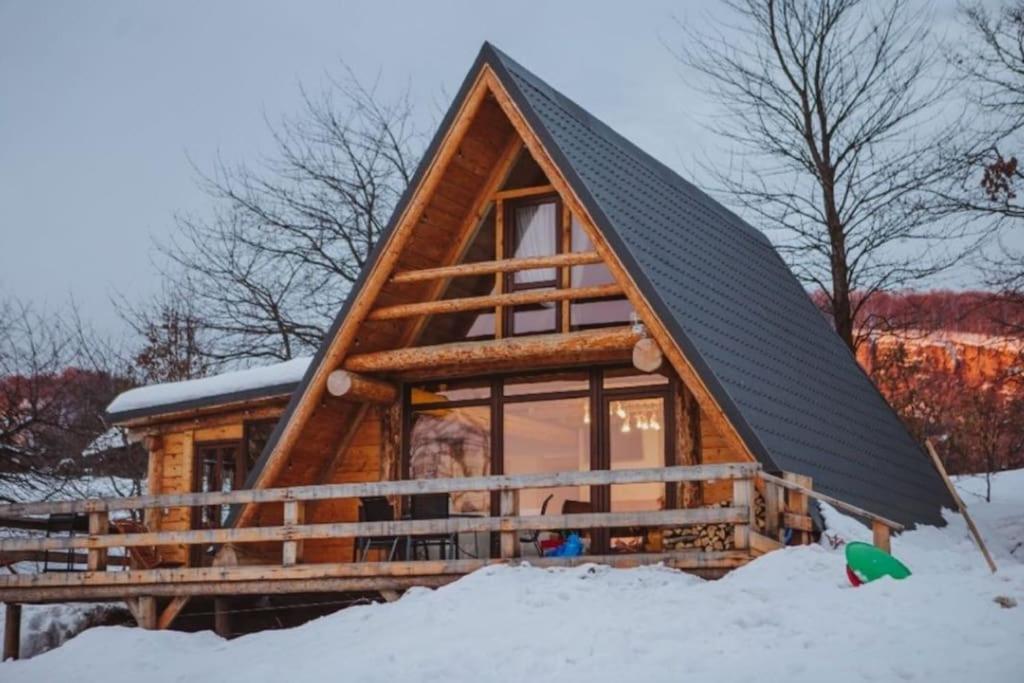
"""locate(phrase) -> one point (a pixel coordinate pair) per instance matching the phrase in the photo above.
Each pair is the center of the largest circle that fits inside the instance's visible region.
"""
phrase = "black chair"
(375, 509)
(431, 506)
(534, 536)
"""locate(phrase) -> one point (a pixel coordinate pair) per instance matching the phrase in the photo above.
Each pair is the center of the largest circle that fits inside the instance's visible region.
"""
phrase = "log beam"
(352, 386)
(581, 258)
(477, 303)
(563, 349)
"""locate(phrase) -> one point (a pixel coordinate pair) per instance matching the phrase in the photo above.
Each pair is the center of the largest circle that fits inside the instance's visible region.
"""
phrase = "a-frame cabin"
(560, 320)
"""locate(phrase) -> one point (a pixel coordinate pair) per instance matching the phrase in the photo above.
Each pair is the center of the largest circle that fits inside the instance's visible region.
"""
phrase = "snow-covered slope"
(790, 615)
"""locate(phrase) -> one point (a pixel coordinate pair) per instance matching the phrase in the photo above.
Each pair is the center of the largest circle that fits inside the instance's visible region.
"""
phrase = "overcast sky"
(102, 104)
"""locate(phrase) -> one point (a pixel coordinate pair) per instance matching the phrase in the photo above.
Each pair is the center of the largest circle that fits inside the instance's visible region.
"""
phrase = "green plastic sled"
(865, 563)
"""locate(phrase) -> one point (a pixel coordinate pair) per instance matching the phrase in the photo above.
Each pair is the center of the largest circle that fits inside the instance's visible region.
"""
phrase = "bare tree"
(986, 188)
(836, 111)
(268, 270)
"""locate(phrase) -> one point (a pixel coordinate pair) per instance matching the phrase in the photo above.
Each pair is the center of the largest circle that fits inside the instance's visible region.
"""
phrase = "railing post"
(796, 504)
(509, 508)
(880, 536)
(99, 525)
(773, 505)
(743, 496)
(291, 551)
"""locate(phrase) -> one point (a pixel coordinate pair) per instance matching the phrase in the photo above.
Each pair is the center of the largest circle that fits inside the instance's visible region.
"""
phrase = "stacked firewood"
(708, 537)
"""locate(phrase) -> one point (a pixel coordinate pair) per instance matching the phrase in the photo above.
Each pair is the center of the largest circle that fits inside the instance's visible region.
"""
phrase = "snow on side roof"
(208, 389)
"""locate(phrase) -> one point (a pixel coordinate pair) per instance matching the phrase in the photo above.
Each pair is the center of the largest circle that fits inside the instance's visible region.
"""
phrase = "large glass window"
(533, 230)
(452, 442)
(596, 312)
(547, 436)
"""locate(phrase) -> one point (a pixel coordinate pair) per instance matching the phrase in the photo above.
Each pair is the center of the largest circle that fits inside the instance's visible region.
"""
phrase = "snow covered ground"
(790, 615)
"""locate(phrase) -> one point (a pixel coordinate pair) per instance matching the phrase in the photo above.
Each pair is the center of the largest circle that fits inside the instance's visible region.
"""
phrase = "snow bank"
(791, 615)
(209, 387)
(44, 627)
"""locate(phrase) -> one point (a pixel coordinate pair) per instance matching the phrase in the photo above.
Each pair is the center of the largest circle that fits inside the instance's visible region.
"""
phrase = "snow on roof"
(208, 388)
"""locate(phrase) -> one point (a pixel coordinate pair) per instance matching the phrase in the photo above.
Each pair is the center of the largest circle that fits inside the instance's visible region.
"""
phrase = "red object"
(553, 542)
(852, 576)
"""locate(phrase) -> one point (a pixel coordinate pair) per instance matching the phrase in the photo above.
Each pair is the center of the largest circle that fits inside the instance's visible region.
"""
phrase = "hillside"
(790, 615)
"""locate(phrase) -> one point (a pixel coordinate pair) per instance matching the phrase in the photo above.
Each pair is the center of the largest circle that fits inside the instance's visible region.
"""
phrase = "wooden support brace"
(12, 631)
(98, 525)
(349, 385)
(291, 551)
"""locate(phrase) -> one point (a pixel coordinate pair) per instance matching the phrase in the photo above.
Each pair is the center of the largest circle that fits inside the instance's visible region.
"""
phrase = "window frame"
(509, 285)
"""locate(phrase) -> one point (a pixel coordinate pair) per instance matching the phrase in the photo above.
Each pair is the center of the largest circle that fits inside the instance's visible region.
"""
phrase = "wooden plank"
(92, 593)
(343, 444)
(150, 578)
(476, 303)
(937, 461)
(505, 265)
(12, 631)
(404, 487)
(539, 348)
(792, 484)
(521, 192)
(772, 509)
(98, 524)
(355, 387)
(454, 525)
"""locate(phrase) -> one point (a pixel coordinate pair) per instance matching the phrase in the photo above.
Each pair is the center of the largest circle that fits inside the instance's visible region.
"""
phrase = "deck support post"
(509, 508)
(880, 536)
(98, 525)
(146, 613)
(222, 617)
(291, 551)
(12, 631)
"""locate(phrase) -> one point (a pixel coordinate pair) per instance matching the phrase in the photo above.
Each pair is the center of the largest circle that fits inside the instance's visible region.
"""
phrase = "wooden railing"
(785, 506)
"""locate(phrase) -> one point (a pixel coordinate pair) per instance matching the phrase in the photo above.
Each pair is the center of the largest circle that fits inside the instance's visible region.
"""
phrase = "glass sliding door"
(636, 437)
(547, 436)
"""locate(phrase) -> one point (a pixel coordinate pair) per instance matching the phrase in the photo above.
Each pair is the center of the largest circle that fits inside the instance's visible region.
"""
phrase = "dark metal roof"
(787, 382)
(784, 378)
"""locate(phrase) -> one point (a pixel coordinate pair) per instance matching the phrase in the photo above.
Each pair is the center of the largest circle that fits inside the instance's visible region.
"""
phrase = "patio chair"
(534, 536)
(375, 509)
(431, 506)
